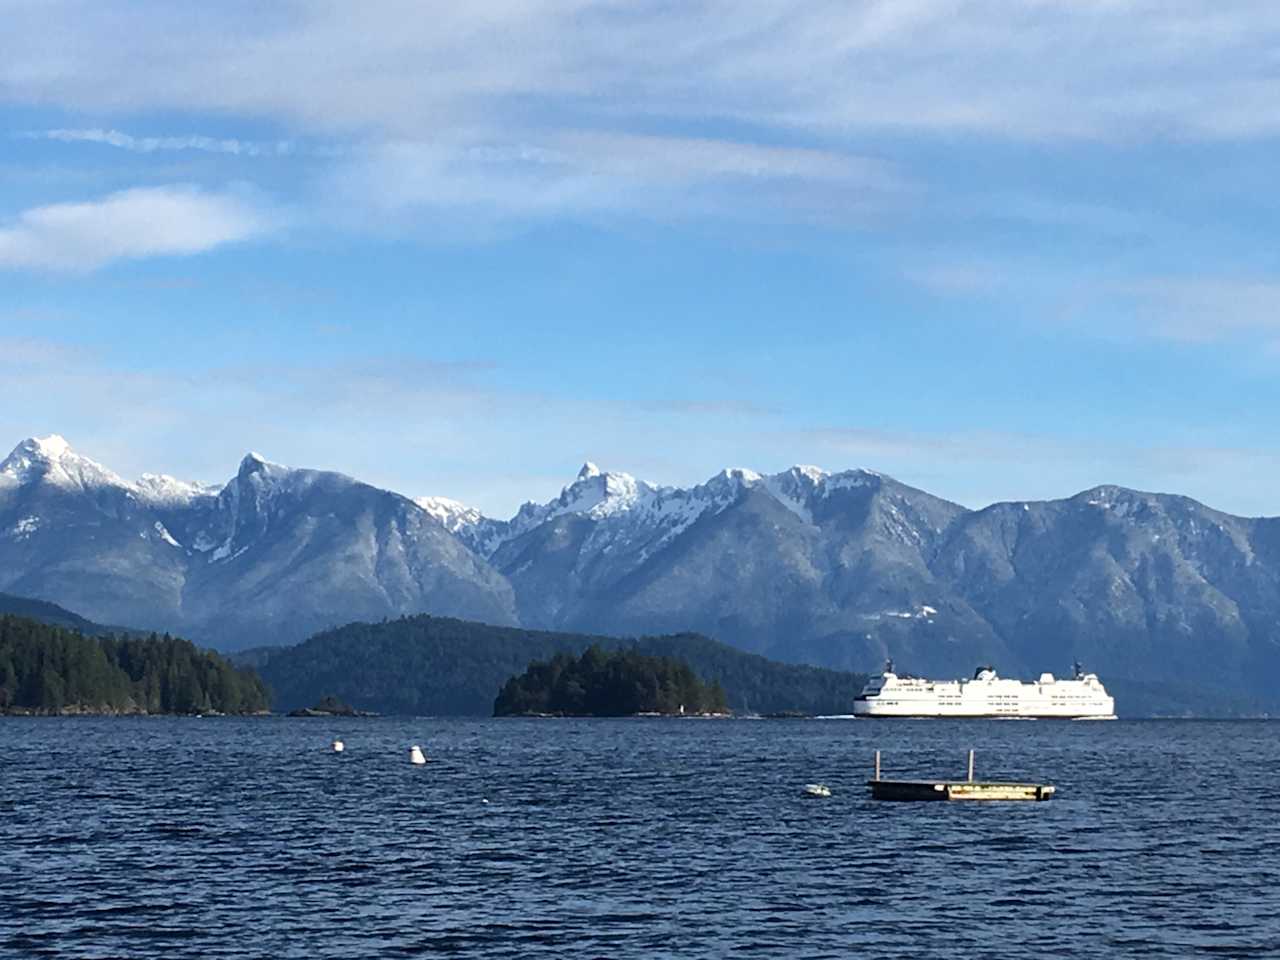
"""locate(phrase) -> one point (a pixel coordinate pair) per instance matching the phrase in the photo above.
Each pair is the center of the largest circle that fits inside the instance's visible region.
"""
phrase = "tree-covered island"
(608, 683)
(49, 670)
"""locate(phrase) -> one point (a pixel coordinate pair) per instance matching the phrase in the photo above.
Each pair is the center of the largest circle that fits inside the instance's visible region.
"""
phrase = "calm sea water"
(221, 838)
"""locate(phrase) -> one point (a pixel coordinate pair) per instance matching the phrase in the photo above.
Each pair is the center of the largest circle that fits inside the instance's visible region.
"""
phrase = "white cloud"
(537, 108)
(124, 141)
(1111, 69)
(143, 222)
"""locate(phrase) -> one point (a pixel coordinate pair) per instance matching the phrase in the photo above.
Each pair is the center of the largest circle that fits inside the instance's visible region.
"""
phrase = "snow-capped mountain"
(51, 461)
(453, 516)
(272, 555)
(838, 569)
(846, 568)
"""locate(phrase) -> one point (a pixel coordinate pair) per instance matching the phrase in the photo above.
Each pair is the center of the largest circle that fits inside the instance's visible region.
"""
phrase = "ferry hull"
(985, 697)
(890, 715)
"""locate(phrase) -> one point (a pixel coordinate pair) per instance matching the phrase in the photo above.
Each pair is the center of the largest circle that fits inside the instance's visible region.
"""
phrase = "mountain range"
(834, 569)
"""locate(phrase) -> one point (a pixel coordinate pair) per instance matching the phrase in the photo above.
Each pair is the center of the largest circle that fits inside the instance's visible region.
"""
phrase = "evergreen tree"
(49, 669)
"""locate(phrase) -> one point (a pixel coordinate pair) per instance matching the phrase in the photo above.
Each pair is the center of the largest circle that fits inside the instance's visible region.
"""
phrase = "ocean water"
(249, 838)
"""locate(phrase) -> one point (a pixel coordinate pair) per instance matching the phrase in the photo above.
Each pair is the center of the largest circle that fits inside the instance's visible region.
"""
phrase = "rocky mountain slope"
(836, 569)
(272, 556)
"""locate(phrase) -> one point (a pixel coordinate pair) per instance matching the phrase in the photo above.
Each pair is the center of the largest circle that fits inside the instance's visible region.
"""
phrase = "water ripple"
(646, 838)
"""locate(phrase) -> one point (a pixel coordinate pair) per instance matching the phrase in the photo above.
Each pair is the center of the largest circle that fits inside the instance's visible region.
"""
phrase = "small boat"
(817, 790)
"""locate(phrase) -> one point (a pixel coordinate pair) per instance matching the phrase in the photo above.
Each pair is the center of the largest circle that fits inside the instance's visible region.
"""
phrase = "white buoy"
(415, 755)
(338, 746)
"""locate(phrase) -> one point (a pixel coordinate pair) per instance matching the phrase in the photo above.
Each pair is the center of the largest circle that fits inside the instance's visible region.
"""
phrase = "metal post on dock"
(877, 764)
(971, 766)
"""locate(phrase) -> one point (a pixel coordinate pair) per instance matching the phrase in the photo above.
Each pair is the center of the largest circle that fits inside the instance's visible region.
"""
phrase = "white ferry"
(986, 695)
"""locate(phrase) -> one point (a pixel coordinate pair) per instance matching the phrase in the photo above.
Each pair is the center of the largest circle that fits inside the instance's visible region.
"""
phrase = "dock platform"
(969, 789)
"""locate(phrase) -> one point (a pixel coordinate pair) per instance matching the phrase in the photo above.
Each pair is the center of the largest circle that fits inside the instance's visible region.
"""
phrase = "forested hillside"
(46, 669)
(438, 665)
(47, 612)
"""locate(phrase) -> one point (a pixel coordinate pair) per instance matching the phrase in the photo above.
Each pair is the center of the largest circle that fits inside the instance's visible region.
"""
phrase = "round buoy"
(415, 755)
(338, 746)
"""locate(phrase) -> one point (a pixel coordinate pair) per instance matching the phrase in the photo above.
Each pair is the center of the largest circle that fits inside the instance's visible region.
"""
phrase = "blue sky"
(996, 249)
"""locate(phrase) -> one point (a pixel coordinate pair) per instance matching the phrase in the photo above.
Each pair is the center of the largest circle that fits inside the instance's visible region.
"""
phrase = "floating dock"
(969, 789)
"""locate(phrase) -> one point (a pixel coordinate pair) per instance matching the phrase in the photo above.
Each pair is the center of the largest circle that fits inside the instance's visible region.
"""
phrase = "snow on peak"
(852, 479)
(53, 446)
(599, 494)
(636, 518)
(162, 489)
(594, 494)
(51, 459)
(256, 463)
(451, 514)
(34, 450)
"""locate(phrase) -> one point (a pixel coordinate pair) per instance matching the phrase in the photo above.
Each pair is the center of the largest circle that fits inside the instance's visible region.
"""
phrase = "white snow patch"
(165, 535)
(224, 552)
(164, 490)
(785, 490)
(24, 528)
(816, 474)
(53, 446)
(849, 480)
(451, 514)
(924, 612)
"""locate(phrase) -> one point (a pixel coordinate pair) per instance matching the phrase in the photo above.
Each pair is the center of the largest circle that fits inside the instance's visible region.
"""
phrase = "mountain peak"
(47, 449)
(737, 475)
(809, 472)
(599, 492)
(54, 446)
(255, 463)
(451, 514)
(160, 488)
(51, 458)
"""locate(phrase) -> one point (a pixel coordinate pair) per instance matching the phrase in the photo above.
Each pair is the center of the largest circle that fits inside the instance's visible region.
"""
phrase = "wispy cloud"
(535, 109)
(124, 141)
(1204, 309)
(1044, 69)
(143, 222)
(597, 174)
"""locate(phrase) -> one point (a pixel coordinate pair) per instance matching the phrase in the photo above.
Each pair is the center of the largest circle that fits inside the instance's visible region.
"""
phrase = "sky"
(997, 250)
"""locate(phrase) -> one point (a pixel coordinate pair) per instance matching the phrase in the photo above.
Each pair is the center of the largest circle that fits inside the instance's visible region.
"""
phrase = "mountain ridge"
(836, 569)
